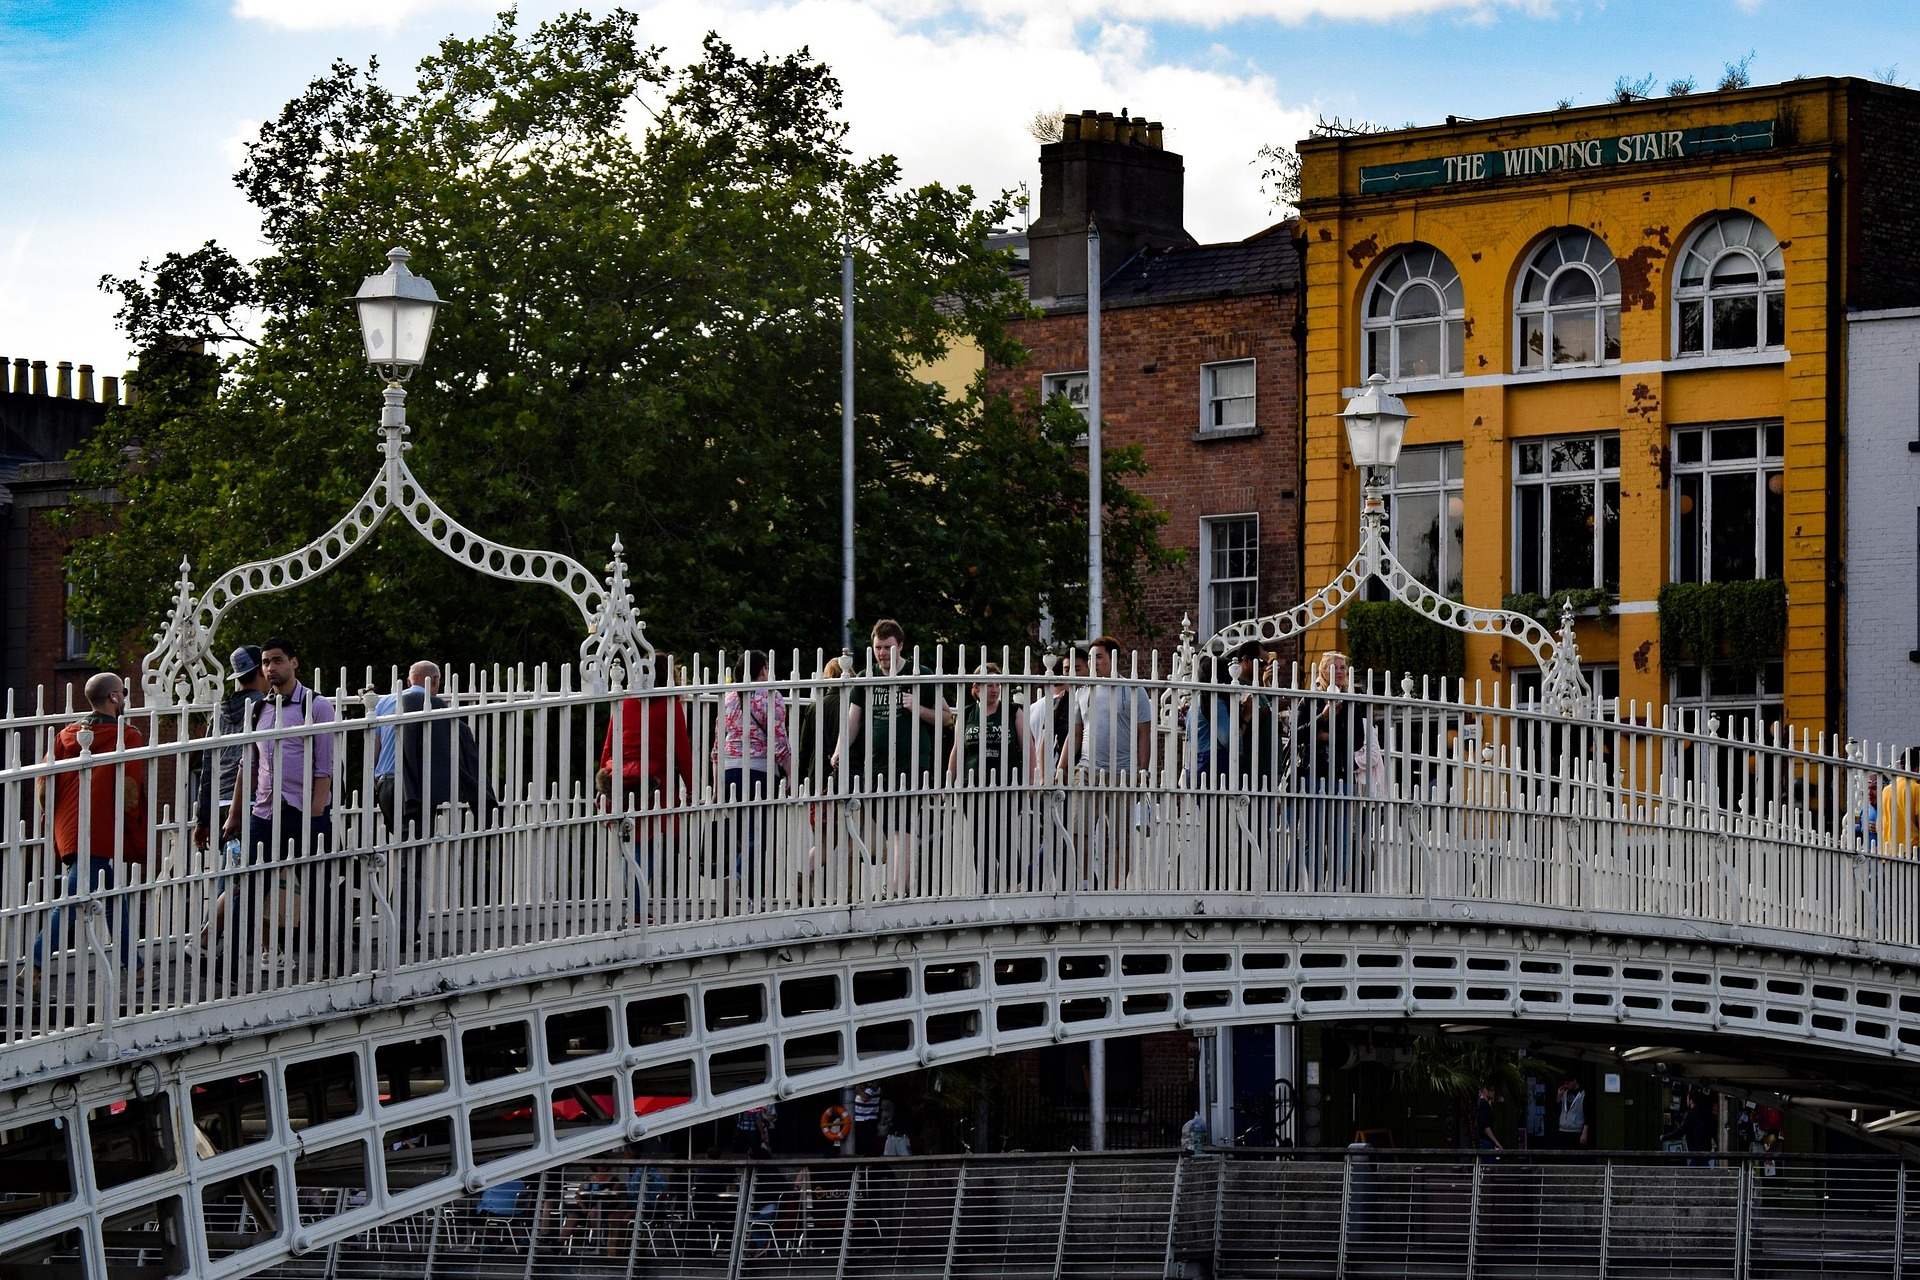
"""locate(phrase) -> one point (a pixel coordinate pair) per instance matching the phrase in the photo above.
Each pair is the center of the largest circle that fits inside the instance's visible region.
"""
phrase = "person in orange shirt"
(652, 753)
(116, 800)
(1900, 811)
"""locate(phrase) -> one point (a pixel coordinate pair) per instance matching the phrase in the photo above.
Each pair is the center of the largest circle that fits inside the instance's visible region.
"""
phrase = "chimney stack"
(63, 384)
(1115, 169)
(39, 377)
(86, 383)
(109, 390)
(20, 383)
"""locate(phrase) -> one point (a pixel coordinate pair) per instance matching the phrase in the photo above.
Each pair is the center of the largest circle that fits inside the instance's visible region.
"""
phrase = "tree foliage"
(642, 339)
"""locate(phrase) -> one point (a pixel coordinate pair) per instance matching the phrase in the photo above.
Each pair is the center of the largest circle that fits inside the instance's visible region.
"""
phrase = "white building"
(1883, 526)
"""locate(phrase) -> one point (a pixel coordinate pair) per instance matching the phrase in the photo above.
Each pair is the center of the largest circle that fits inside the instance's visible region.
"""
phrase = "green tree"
(642, 339)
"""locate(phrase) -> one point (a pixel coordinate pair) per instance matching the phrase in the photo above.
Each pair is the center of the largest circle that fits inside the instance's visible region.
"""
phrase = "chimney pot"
(20, 376)
(1156, 136)
(63, 382)
(86, 383)
(1069, 128)
(127, 387)
(1106, 126)
(39, 377)
(109, 390)
(1123, 131)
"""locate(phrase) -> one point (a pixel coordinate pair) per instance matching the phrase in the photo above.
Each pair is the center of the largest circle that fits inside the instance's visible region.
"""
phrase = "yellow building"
(1619, 328)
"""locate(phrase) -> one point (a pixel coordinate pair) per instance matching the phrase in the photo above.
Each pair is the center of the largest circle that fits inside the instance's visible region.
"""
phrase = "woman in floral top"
(750, 747)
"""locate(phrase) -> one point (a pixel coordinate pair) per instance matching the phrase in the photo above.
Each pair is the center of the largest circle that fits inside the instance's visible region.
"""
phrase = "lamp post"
(396, 309)
(1376, 425)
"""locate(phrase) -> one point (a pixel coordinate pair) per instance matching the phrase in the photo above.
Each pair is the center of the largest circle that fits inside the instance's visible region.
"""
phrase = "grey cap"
(245, 661)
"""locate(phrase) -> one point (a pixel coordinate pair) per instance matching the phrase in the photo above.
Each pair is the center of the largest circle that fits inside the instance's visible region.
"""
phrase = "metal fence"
(541, 815)
(1226, 1215)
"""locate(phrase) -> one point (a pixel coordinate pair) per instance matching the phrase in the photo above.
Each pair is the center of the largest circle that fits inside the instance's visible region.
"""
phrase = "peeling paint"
(1493, 663)
(1640, 656)
(1657, 233)
(1326, 233)
(1364, 251)
(1476, 255)
(1483, 362)
(1636, 274)
(1477, 419)
(1645, 403)
(1467, 326)
(1661, 457)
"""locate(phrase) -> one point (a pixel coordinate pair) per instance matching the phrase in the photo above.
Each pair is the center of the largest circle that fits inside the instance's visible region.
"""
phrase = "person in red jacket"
(116, 802)
(650, 750)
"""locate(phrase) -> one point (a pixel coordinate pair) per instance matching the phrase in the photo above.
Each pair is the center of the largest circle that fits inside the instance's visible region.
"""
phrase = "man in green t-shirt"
(889, 739)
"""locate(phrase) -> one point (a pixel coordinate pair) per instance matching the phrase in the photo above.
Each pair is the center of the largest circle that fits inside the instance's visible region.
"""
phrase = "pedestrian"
(1222, 712)
(889, 741)
(282, 811)
(866, 1120)
(1483, 1131)
(425, 677)
(1899, 809)
(988, 764)
(1115, 745)
(750, 754)
(1694, 1129)
(114, 834)
(649, 749)
(1573, 1131)
(214, 771)
(434, 774)
(1337, 756)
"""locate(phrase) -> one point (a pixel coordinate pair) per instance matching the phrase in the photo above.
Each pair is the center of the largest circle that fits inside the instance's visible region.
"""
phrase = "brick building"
(1200, 366)
(1622, 331)
(40, 424)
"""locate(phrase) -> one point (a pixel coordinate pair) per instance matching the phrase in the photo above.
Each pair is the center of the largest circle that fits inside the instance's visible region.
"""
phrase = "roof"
(1264, 263)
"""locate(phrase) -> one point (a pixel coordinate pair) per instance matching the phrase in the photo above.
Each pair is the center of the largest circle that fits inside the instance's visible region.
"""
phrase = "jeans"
(100, 878)
(747, 790)
(301, 837)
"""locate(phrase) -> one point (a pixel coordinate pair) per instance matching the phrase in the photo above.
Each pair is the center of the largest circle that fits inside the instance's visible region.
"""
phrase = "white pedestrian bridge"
(330, 1037)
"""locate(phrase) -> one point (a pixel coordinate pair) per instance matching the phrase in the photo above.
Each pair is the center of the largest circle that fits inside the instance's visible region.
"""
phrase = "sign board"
(1569, 155)
(1611, 1083)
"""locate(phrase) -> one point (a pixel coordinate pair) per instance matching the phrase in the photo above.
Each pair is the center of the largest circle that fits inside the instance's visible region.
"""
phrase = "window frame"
(1057, 384)
(1208, 398)
(1767, 464)
(1209, 624)
(1765, 700)
(1450, 486)
(1604, 307)
(1603, 679)
(1451, 318)
(1769, 287)
(1599, 476)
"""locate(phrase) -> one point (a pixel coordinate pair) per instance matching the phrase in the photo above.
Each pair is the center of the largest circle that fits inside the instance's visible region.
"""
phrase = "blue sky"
(123, 120)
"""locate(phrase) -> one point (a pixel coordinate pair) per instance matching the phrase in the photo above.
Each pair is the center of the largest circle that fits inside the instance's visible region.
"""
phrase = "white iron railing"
(1433, 794)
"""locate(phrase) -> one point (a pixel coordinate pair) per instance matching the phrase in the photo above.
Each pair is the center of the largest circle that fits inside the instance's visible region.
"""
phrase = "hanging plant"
(1546, 609)
(1390, 636)
(1741, 623)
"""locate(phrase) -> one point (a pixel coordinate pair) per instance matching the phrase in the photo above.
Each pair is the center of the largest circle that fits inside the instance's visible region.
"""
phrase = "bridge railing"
(1238, 1213)
(519, 816)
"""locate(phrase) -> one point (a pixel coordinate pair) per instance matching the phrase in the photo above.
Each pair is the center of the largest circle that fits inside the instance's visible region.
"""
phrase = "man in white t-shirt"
(1114, 741)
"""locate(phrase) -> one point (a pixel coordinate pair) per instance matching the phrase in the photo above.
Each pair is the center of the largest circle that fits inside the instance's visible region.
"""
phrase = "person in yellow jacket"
(1900, 811)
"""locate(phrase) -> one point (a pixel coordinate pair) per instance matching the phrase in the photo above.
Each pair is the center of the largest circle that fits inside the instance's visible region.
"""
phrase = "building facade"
(1621, 330)
(1200, 368)
(1883, 526)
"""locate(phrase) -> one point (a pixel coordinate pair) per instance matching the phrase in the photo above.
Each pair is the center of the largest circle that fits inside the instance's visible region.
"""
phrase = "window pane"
(1454, 453)
(1687, 445)
(1570, 536)
(1731, 535)
(1736, 324)
(1572, 455)
(1687, 515)
(1533, 341)
(1776, 437)
(1693, 339)
(1233, 413)
(1379, 352)
(1573, 337)
(1235, 602)
(1456, 346)
(1735, 269)
(1776, 319)
(1775, 546)
(1610, 453)
(1528, 532)
(1734, 442)
(1530, 459)
(1418, 302)
(1610, 536)
(1418, 466)
(1572, 286)
(1380, 301)
(1416, 535)
(1232, 379)
(1452, 547)
(1419, 350)
(1610, 321)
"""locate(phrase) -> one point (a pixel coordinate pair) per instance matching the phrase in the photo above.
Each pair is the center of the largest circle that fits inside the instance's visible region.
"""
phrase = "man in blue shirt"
(422, 675)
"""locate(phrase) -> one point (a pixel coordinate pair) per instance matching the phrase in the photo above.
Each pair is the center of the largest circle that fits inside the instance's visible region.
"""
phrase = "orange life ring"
(835, 1124)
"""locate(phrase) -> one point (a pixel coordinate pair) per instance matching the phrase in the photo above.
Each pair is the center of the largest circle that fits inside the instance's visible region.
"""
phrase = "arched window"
(1568, 309)
(1414, 317)
(1731, 292)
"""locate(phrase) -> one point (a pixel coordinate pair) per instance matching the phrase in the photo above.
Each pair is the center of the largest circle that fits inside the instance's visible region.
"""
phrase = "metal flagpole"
(846, 444)
(1096, 565)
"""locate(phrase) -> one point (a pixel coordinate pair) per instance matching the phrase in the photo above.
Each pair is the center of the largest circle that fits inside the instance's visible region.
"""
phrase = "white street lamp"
(396, 317)
(1376, 424)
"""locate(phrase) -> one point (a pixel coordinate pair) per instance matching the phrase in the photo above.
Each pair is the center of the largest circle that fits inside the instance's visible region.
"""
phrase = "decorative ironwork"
(184, 665)
(1563, 688)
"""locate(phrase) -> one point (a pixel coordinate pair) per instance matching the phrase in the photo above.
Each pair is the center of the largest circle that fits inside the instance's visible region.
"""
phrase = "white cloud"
(318, 15)
(233, 147)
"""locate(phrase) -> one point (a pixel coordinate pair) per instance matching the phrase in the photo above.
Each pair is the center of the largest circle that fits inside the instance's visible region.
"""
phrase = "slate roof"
(1263, 263)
